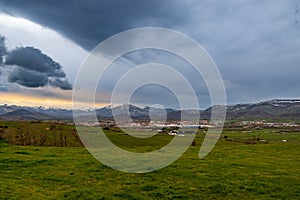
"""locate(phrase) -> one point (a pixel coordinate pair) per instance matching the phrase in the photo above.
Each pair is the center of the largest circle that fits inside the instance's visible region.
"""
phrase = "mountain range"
(270, 109)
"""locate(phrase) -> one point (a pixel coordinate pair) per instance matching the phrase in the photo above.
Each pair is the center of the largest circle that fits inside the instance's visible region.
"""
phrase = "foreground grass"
(231, 171)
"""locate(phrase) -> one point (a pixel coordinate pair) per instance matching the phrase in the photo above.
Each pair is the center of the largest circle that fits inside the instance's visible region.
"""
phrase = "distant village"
(187, 127)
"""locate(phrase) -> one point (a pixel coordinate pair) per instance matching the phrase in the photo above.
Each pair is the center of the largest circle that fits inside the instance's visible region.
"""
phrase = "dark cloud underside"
(33, 59)
(60, 83)
(28, 78)
(90, 22)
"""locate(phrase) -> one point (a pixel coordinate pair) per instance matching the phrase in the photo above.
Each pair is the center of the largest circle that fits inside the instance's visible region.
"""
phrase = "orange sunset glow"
(29, 100)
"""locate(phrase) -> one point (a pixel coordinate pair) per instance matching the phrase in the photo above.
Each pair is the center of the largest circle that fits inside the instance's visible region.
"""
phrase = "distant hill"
(185, 114)
(22, 114)
(133, 111)
(272, 109)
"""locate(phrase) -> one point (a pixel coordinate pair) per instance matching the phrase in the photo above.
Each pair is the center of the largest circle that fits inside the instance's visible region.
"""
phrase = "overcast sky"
(255, 44)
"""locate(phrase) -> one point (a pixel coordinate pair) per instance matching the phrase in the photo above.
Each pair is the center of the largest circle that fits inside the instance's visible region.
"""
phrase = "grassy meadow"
(58, 167)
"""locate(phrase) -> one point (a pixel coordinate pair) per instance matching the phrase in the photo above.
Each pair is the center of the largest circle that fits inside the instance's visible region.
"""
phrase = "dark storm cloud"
(30, 67)
(34, 69)
(60, 83)
(34, 79)
(28, 78)
(33, 59)
(3, 49)
(90, 22)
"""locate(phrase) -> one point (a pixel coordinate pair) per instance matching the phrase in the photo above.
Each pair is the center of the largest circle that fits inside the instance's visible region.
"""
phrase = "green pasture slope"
(233, 170)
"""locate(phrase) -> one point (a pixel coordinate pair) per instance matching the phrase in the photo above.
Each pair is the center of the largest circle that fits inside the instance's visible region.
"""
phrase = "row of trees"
(54, 135)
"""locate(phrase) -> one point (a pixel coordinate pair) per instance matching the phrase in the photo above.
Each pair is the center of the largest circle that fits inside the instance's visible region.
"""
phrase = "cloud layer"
(90, 22)
(255, 44)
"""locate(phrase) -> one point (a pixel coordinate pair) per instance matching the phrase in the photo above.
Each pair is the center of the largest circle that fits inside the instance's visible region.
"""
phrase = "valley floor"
(233, 170)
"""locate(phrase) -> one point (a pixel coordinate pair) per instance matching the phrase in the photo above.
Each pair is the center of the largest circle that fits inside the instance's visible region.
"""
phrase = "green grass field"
(233, 170)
